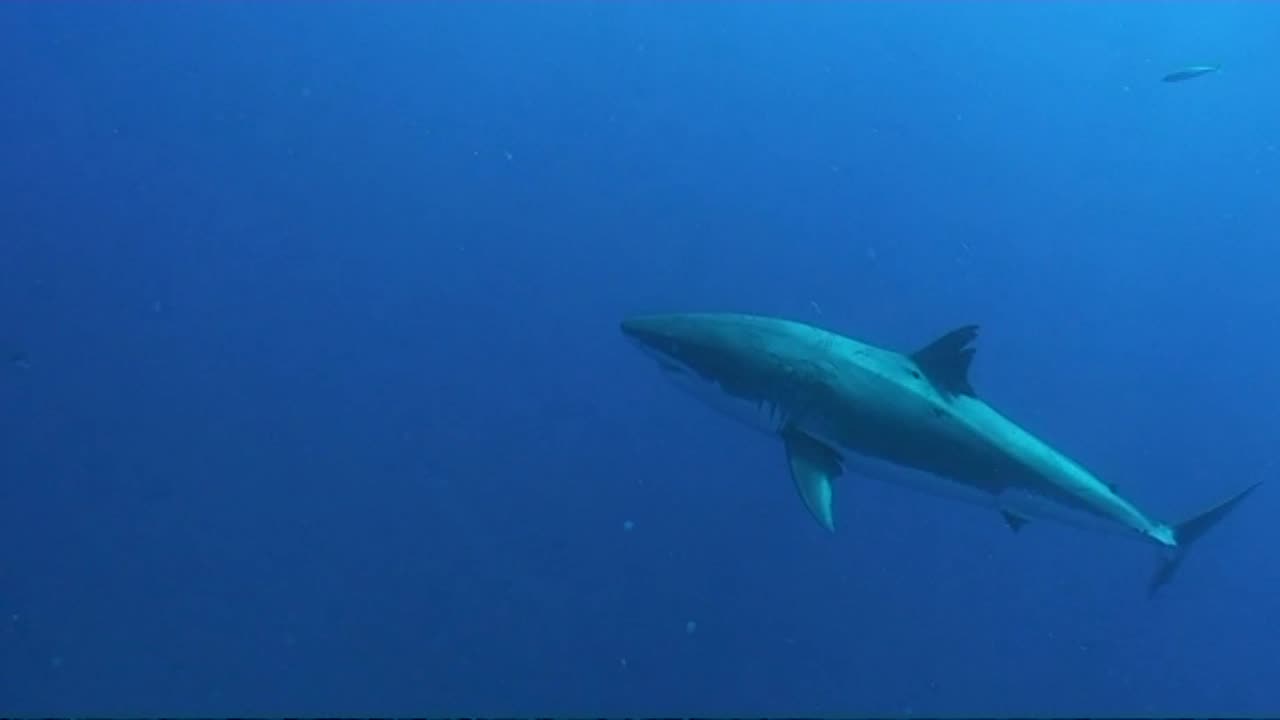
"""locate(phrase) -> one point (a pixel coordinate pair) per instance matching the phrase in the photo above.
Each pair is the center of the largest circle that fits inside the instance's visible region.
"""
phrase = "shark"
(914, 418)
(1189, 73)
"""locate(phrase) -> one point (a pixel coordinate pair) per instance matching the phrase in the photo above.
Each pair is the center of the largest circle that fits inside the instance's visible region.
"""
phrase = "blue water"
(315, 400)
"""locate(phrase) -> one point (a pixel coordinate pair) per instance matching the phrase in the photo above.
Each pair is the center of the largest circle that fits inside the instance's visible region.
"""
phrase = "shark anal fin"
(813, 466)
(1014, 520)
(946, 361)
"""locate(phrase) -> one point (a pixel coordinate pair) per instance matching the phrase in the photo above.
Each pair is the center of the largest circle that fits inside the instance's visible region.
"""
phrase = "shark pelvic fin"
(946, 361)
(1014, 520)
(1190, 530)
(813, 467)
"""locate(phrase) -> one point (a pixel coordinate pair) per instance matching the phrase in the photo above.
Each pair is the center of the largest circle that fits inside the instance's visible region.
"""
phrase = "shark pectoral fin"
(1014, 520)
(813, 467)
(946, 361)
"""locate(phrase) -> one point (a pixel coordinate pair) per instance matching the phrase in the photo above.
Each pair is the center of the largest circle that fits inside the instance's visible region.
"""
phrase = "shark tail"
(1188, 532)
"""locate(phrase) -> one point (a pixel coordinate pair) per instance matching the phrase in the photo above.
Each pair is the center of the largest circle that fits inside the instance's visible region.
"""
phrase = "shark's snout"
(669, 339)
(631, 327)
(649, 331)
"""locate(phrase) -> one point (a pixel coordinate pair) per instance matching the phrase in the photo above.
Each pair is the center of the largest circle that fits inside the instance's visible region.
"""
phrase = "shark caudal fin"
(1188, 532)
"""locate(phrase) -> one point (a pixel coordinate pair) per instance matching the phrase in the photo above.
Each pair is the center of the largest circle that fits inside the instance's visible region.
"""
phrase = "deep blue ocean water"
(315, 402)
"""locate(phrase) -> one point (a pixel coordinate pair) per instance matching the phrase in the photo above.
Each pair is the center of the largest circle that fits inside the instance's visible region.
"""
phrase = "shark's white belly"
(1022, 501)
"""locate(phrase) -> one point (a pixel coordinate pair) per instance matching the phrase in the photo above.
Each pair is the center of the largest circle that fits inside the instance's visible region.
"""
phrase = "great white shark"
(1189, 73)
(835, 402)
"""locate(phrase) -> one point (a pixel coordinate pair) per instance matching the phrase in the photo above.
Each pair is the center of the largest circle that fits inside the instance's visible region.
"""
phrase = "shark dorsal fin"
(945, 361)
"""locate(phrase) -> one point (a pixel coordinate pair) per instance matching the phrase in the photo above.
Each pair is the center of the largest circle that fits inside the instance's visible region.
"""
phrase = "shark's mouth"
(760, 413)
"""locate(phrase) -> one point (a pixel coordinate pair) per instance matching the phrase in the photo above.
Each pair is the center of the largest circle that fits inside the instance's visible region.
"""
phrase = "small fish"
(1187, 73)
(20, 360)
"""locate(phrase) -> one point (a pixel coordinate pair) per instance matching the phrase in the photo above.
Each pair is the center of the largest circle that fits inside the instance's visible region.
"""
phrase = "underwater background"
(314, 399)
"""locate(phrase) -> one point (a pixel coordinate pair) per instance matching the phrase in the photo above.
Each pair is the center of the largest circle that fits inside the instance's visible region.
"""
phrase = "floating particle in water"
(628, 525)
(690, 627)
